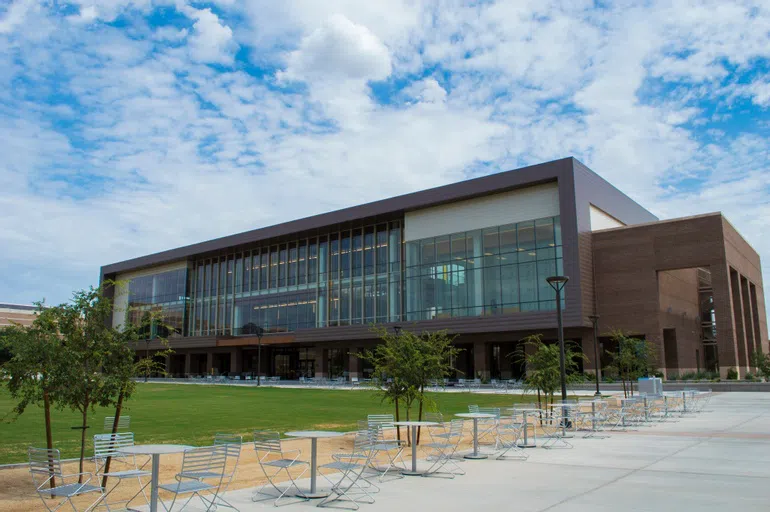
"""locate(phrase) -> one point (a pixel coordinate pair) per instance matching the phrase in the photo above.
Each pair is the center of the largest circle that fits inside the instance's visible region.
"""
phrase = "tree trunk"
(48, 435)
(83, 428)
(118, 409)
(419, 417)
(398, 429)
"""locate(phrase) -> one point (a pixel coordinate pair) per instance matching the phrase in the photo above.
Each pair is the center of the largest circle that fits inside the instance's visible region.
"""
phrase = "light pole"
(597, 360)
(397, 330)
(558, 283)
(259, 332)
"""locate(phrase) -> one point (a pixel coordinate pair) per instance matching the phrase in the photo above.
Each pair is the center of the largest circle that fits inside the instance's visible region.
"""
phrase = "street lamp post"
(397, 330)
(259, 332)
(558, 283)
(597, 360)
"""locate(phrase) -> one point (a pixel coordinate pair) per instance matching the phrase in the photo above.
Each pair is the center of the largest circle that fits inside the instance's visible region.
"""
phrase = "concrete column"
(354, 363)
(236, 361)
(209, 362)
(740, 328)
(167, 364)
(187, 364)
(587, 344)
(480, 360)
(320, 363)
(748, 321)
(727, 347)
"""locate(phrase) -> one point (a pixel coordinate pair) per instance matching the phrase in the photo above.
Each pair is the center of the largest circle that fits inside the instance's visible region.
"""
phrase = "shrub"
(689, 376)
(749, 377)
(673, 376)
(732, 374)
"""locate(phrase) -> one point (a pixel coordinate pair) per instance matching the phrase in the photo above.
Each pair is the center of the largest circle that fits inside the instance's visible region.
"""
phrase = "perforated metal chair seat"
(187, 486)
(341, 466)
(284, 463)
(201, 474)
(70, 490)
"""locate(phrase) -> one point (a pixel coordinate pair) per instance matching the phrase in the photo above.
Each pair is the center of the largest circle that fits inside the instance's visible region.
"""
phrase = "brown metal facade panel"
(395, 206)
(590, 188)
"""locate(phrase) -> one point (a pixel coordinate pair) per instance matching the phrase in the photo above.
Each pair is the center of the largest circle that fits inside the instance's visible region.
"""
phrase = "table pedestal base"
(476, 456)
(315, 495)
(412, 473)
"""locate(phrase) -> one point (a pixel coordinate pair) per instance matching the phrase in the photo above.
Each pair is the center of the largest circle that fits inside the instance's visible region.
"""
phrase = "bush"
(749, 377)
(732, 374)
(689, 376)
(673, 376)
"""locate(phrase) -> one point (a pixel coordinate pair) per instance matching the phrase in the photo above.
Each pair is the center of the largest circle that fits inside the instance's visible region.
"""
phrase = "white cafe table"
(475, 416)
(155, 450)
(414, 425)
(314, 435)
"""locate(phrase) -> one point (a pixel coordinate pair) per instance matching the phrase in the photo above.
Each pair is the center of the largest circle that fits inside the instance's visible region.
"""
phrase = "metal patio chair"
(508, 434)
(486, 426)
(124, 423)
(232, 444)
(393, 449)
(593, 420)
(554, 429)
(203, 470)
(274, 460)
(445, 440)
(122, 467)
(346, 471)
(51, 483)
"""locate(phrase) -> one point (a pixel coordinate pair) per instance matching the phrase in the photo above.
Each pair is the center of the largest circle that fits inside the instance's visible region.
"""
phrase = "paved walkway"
(718, 460)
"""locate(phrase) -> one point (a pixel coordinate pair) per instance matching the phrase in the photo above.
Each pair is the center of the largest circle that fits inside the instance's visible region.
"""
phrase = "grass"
(192, 414)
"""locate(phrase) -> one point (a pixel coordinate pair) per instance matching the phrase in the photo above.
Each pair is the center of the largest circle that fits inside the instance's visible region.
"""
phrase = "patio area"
(716, 460)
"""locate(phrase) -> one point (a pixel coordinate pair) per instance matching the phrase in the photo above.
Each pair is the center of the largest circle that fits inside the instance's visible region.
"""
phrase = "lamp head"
(557, 282)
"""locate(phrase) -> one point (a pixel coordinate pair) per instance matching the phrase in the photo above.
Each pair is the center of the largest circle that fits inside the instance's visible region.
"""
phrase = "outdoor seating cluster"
(381, 452)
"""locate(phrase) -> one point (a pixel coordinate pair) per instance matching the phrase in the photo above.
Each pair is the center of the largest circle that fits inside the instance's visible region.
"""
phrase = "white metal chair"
(508, 433)
(273, 461)
(203, 470)
(232, 444)
(346, 471)
(51, 483)
(391, 448)
(554, 428)
(486, 426)
(124, 423)
(441, 449)
(122, 467)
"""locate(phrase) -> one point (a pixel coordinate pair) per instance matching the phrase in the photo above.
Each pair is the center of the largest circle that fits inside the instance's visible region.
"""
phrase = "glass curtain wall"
(164, 292)
(341, 278)
(489, 271)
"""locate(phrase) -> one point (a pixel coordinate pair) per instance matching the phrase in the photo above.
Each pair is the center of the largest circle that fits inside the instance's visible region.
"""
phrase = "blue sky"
(133, 126)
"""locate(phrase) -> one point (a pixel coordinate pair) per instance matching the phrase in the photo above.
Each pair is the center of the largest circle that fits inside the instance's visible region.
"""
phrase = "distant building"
(470, 257)
(19, 314)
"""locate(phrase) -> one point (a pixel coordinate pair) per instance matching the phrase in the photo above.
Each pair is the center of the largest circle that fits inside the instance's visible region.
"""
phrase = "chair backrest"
(231, 442)
(456, 427)
(124, 423)
(44, 463)
(473, 408)
(366, 436)
(436, 417)
(489, 410)
(267, 441)
(380, 420)
(109, 445)
(206, 459)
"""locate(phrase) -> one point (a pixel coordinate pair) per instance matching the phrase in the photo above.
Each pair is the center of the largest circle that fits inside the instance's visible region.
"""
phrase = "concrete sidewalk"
(718, 460)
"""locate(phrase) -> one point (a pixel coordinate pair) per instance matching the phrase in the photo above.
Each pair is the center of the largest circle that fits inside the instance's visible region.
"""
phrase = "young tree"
(98, 356)
(542, 365)
(634, 358)
(405, 363)
(36, 368)
(761, 362)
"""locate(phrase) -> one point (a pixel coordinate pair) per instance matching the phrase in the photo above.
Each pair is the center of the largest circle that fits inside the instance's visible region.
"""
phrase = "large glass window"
(497, 270)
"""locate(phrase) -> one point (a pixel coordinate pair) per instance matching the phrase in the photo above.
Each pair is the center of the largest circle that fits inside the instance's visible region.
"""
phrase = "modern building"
(471, 258)
(17, 314)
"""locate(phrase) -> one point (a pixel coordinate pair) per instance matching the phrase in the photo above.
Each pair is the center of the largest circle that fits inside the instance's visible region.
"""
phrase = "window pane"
(509, 278)
(544, 234)
(528, 282)
(491, 242)
(458, 246)
(443, 249)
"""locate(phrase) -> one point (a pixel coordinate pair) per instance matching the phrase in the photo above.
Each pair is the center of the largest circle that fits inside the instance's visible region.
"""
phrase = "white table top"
(479, 415)
(414, 423)
(314, 433)
(155, 449)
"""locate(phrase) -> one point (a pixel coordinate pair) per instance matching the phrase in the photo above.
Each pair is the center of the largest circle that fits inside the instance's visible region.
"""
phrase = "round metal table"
(155, 450)
(314, 435)
(414, 425)
(475, 416)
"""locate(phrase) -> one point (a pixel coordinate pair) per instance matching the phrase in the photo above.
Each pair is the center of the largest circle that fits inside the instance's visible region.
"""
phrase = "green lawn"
(191, 414)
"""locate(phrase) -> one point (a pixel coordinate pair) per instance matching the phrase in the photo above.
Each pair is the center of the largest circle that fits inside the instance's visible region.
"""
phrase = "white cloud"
(210, 41)
(158, 149)
(14, 15)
